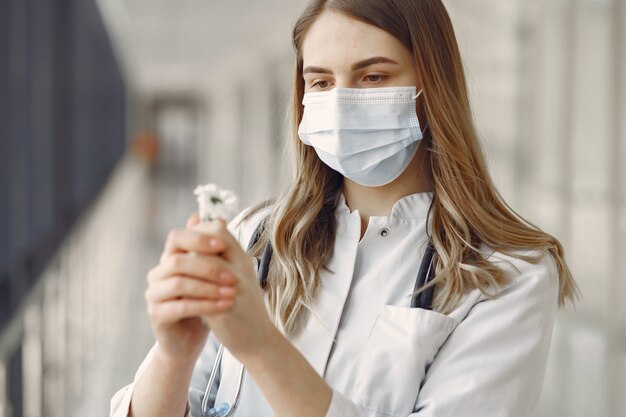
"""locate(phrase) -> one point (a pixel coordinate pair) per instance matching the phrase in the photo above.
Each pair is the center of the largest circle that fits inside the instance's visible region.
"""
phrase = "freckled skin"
(335, 42)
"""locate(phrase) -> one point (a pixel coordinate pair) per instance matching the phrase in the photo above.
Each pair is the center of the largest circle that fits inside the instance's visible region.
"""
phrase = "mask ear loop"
(414, 98)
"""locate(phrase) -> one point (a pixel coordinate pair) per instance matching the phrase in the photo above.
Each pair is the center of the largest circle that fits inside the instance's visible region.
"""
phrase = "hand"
(245, 326)
(190, 281)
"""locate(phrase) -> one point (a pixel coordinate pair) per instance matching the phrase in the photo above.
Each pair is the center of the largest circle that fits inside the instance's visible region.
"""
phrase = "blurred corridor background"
(111, 111)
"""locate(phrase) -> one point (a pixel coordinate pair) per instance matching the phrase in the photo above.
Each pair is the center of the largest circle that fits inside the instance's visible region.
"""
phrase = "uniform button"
(383, 232)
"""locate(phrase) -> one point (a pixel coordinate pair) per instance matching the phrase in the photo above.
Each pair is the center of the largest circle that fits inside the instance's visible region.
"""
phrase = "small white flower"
(214, 203)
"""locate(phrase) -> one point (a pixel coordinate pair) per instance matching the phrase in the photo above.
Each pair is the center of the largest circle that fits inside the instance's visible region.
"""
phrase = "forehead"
(336, 39)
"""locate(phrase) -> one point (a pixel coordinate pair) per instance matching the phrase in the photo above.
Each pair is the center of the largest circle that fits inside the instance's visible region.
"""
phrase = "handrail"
(64, 322)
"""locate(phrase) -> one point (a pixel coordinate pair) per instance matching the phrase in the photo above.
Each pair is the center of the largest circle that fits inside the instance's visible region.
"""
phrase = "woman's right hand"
(183, 287)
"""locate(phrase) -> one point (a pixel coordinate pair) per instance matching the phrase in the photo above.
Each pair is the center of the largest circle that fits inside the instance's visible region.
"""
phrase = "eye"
(375, 78)
(321, 84)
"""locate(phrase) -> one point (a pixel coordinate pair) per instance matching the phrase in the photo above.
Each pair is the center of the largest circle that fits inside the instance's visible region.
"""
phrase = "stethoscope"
(422, 300)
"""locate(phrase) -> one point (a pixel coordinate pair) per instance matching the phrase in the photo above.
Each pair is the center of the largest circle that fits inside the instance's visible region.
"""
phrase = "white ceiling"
(168, 45)
(174, 44)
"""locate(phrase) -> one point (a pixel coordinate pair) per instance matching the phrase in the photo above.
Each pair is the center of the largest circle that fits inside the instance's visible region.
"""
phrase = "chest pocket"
(393, 362)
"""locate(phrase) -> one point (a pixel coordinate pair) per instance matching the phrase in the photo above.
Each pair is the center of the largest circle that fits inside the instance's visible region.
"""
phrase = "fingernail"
(224, 303)
(226, 290)
(225, 276)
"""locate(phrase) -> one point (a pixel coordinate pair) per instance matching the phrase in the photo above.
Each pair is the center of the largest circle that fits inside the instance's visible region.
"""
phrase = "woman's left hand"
(246, 326)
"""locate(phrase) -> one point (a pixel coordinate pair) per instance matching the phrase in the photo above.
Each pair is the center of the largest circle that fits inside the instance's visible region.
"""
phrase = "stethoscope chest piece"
(224, 409)
(422, 300)
(219, 411)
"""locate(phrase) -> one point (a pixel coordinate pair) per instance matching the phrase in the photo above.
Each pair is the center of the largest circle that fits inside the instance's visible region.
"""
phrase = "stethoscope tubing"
(422, 300)
(207, 392)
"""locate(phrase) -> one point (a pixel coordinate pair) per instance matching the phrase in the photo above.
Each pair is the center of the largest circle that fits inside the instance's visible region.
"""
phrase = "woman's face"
(339, 51)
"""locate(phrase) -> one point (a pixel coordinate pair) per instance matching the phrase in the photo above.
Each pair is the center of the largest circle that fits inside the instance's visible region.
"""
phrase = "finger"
(173, 311)
(186, 240)
(193, 220)
(218, 229)
(207, 268)
(188, 288)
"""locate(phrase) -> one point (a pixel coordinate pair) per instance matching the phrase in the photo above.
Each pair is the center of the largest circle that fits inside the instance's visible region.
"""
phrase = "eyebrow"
(355, 67)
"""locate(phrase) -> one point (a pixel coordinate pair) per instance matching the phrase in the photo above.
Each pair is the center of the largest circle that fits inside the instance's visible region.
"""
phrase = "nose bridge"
(345, 79)
(345, 83)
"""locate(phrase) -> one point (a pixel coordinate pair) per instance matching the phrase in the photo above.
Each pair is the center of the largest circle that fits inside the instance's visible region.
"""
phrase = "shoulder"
(496, 354)
(532, 287)
(530, 271)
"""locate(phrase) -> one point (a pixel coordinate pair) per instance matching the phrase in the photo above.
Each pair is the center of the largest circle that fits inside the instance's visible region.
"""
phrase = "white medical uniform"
(381, 357)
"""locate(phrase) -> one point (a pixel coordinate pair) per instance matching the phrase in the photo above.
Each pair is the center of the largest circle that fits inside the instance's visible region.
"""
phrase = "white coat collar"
(315, 340)
(410, 207)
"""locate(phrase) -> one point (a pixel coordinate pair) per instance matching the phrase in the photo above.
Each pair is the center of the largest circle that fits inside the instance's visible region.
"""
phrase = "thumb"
(193, 220)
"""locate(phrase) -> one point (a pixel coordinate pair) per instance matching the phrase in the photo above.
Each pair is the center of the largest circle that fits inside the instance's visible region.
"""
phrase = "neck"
(379, 201)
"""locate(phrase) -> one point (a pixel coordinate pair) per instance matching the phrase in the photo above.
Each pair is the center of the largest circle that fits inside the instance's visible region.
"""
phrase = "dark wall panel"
(63, 113)
(19, 133)
(99, 101)
(62, 130)
(4, 169)
(41, 138)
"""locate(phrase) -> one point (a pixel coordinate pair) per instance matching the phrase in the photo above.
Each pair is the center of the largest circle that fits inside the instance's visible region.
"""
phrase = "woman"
(386, 163)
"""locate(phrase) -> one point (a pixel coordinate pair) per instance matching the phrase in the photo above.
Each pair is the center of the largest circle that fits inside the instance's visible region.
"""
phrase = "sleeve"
(493, 363)
(120, 402)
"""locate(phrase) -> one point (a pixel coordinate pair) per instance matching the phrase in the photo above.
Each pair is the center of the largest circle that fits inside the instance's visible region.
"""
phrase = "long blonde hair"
(467, 209)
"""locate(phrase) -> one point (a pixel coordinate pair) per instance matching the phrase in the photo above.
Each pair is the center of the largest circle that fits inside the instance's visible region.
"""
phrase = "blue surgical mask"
(369, 135)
